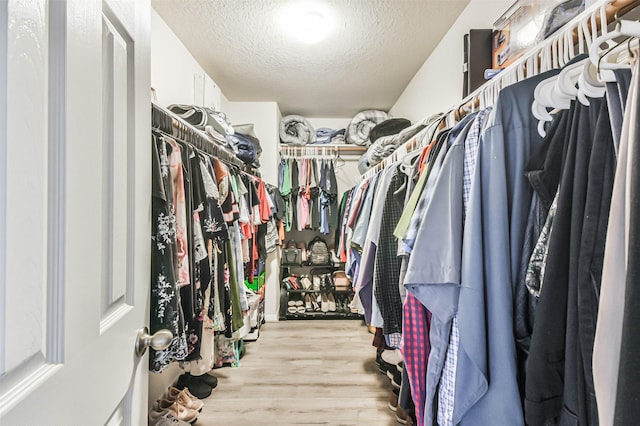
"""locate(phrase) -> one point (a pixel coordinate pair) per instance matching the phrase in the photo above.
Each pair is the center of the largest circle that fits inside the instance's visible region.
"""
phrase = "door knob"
(160, 340)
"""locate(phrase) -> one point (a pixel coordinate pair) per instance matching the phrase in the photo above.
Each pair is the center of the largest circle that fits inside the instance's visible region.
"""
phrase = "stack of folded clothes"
(326, 135)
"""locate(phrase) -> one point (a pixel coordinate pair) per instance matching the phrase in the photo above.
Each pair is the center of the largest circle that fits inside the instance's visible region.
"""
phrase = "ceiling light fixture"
(306, 21)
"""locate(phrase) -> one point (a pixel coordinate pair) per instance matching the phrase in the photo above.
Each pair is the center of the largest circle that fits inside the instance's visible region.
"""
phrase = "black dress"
(166, 310)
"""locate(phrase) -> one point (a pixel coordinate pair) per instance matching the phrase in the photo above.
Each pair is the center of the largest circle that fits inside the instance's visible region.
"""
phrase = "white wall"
(437, 86)
(265, 117)
(175, 75)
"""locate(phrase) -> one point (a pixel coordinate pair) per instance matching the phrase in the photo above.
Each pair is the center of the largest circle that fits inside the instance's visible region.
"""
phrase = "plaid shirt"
(447, 390)
(387, 266)
(415, 349)
(471, 152)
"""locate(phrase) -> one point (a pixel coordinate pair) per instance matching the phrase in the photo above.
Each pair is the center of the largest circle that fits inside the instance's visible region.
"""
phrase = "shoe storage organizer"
(312, 292)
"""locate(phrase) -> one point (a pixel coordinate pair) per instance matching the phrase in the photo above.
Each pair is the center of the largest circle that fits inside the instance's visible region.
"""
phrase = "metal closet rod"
(168, 122)
(312, 151)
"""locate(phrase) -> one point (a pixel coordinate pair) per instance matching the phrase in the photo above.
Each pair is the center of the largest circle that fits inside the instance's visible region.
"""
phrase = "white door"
(74, 210)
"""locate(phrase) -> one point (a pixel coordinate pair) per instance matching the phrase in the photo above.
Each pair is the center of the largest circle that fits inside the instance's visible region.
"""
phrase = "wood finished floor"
(303, 373)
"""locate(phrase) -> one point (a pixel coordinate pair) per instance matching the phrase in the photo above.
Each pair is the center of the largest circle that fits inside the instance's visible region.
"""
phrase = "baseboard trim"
(271, 318)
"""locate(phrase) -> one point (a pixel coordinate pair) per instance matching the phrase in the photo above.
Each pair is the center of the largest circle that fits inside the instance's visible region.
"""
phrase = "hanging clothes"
(310, 190)
(607, 351)
(166, 312)
(197, 288)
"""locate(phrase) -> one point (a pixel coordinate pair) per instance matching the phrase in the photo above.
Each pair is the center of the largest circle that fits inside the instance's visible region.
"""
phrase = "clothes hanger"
(624, 28)
(338, 161)
(543, 93)
(588, 83)
(540, 104)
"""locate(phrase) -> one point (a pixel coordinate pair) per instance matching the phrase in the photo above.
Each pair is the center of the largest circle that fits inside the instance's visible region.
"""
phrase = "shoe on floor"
(395, 376)
(393, 401)
(401, 416)
(166, 419)
(207, 379)
(392, 356)
(182, 397)
(385, 367)
(178, 411)
(172, 393)
(198, 388)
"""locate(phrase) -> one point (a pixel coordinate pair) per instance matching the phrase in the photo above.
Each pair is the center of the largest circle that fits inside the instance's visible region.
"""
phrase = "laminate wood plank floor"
(303, 372)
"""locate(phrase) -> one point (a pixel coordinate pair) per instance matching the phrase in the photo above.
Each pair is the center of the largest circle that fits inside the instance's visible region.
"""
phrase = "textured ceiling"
(366, 62)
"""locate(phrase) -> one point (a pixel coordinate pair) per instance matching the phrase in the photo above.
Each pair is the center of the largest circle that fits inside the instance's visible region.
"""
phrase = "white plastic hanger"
(547, 93)
(588, 82)
(603, 62)
(568, 78)
(589, 85)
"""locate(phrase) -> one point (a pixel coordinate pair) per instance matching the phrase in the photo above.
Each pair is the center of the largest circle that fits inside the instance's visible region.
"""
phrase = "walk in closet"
(461, 220)
(319, 212)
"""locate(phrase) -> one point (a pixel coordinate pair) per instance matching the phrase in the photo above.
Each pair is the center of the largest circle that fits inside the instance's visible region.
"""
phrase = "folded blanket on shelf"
(295, 129)
(361, 125)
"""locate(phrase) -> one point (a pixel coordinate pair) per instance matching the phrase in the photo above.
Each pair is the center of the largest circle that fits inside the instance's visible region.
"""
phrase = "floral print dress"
(165, 251)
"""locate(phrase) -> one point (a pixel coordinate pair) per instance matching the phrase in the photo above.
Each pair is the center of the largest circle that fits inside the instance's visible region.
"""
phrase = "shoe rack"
(308, 292)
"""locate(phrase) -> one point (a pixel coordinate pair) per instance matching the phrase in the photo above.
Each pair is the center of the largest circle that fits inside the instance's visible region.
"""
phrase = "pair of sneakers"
(176, 407)
(327, 302)
(295, 306)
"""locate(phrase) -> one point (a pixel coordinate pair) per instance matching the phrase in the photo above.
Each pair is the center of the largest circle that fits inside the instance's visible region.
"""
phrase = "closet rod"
(317, 149)
(548, 54)
(169, 123)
